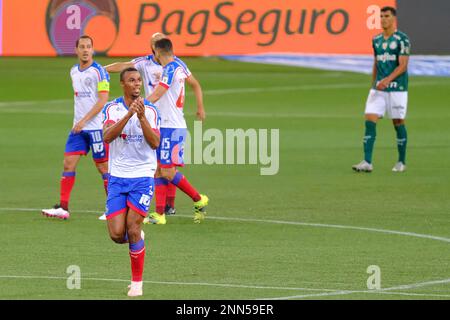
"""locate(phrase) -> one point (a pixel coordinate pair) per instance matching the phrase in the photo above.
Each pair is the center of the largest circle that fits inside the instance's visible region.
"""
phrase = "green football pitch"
(308, 232)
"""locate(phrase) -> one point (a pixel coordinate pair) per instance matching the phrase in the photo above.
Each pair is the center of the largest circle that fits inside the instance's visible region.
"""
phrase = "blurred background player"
(389, 93)
(90, 83)
(131, 127)
(170, 94)
(151, 70)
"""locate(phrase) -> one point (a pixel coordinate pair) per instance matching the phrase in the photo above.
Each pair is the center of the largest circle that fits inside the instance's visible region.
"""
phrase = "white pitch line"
(215, 92)
(223, 285)
(67, 111)
(332, 292)
(237, 90)
(336, 226)
(305, 87)
(236, 114)
(383, 291)
(306, 224)
(32, 102)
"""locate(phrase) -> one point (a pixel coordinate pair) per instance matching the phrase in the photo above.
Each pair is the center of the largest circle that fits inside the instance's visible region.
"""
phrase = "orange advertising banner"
(200, 27)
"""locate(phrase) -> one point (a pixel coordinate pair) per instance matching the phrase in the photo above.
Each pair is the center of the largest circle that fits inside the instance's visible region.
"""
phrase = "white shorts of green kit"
(394, 104)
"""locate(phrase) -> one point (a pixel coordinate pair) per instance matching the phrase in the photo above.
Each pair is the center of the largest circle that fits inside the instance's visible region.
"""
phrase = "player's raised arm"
(197, 88)
(117, 67)
(157, 94)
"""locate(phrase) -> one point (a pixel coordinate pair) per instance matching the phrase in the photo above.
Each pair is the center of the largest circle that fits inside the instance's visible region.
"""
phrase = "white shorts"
(393, 103)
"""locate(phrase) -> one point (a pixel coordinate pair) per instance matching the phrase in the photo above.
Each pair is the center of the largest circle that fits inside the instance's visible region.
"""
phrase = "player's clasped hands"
(137, 106)
(140, 107)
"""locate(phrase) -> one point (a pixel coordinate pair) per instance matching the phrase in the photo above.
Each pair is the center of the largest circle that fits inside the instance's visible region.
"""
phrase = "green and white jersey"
(387, 53)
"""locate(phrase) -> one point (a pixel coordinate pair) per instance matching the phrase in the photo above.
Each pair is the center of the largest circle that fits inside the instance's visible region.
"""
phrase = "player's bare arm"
(102, 100)
(151, 136)
(117, 67)
(197, 88)
(374, 71)
(112, 131)
(402, 67)
(157, 94)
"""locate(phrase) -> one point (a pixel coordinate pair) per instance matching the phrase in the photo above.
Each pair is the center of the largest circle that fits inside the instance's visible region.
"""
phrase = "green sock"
(402, 139)
(369, 140)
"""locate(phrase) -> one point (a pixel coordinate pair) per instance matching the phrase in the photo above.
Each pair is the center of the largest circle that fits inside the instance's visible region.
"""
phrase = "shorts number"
(97, 147)
(166, 143)
(145, 200)
(164, 154)
(96, 136)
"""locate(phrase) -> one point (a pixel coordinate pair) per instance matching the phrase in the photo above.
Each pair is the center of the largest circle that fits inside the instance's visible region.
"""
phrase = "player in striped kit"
(90, 83)
(131, 127)
(151, 71)
(170, 94)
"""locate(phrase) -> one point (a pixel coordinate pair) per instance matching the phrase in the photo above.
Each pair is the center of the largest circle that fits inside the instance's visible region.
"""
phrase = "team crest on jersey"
(384, 46)
(393, 45)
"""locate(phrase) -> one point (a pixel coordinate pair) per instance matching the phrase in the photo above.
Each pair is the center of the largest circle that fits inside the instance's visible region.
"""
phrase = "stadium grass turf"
(319, 115)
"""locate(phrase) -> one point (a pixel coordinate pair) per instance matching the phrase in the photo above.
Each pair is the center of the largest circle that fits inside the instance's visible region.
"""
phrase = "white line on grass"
(336, 226)
(212, 92)
(236, 91)
(224, 285)
(232, 114)
(380, 291)
(331, 292)
(304, 87)
(306, 224)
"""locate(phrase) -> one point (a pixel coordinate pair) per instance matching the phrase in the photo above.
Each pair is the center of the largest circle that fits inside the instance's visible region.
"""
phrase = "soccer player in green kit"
(389, 93)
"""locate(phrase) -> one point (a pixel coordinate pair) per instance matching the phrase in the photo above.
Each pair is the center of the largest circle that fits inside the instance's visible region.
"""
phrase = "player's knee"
(117, 237)
(69, 165)
(371, 117)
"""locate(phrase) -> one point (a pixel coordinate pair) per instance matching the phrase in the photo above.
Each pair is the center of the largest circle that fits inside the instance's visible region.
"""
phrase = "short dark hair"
(391, 9)
(164, 45)
(83, 37)
(122, 74)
